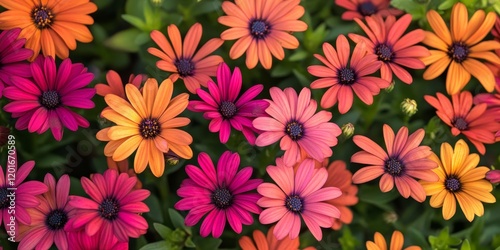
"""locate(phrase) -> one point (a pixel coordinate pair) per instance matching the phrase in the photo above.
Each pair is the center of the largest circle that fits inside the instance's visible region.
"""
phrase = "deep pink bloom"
(493, 176)
(294, 122)
(296, 195)
(49, 218)
(222, 193)
(114, 206)
(223, 107)
(44, 101)
(79, 240)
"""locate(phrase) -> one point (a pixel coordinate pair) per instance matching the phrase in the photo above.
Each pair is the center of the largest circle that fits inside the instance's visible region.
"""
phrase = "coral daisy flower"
(363, 8)
(466, 119)
(403, 161)
(148, 124)
(460, 179)
(386, 40)
(459, 50)
(79, 240)
(220, 193)
(50, 25)
(12, 57)
(342, 79)
(113, 207)
(44, 101)
(182, 60)
(397, 241)
(48, 218)
(115, 84)
(296, 195)
(225, 109)
(292, 120)
(262, 29)
(261, 242)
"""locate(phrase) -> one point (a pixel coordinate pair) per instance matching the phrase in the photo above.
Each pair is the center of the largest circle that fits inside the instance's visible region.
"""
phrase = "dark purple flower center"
(222, 198)
(185, 67)
(42, 17)
(109, 208)
(50, 99)
(394, 167)
(56, 219)
(295, 130)
(149, 128)
(384, 53)
(294, 203)
(460, 123)
(259, 28)
(346, 76)
(367, 8)
(452, 183)
(4, 198)
(458, 51)
(227, 109)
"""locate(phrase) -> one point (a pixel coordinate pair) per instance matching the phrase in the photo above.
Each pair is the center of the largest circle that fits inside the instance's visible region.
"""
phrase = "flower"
(262, 29)
(296, 195)
(459, 180)
(386, 40)
(493, 176)
(397, 241)
(220, 193)
(194, 68)
(403, 161)
(50, 26)
(466, 119)
(364, 8)
(113, 207)
(261, 242)
(339, 176)
(146, 123)
(409, 107)
(122, 167)
(460, 50)
(222, 105)
(496, 32)
(79, 240)
(49, 217)
(115, 85)
(348, 130)
(44, 101)
(12, 57)
(342, 79)
(294, 123)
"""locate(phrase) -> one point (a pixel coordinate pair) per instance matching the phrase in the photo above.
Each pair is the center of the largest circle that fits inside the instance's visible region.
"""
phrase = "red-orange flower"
(363, 8)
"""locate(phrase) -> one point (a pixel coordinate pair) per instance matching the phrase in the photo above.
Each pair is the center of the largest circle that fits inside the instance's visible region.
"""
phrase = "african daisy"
(397, 241)
(269, 242)
(115, 84)
(364, 8)
(79, 240)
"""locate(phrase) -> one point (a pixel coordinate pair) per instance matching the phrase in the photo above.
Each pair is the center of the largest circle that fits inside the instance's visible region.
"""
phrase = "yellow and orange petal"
(397, 241)
(269, 242)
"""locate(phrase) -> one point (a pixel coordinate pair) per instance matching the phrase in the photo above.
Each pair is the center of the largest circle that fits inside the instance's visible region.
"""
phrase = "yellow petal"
(127, 148)
(437, 68)
(122, 107)
(456, 78)
(162, 98)
(449, 206)
(136, 100)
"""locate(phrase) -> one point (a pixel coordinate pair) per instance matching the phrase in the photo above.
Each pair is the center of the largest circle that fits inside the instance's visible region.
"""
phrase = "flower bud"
(348, 130)
(409, 107)
(391, 87)
(390, 217)
(171, 158)
(493, 176)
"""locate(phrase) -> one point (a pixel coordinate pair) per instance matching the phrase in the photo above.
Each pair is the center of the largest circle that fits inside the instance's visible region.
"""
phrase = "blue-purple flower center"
(222, 198)
(367, 8)
(394, 167)
(56, 219)
(259, 28)
(384, 53)
(295, 130)
(4, 198)
(458, 51)
(42, 17)
(452, 184)
(227, 109)
(294, 203)
(109, 208)
(460, 123)
(50, 99)
(185, 67)
(346, 76)
(149, 128)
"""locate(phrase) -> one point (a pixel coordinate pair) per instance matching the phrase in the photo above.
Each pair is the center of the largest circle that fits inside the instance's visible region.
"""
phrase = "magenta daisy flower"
(297, 195)
(49, 218)
(114, 206)
(223, 107)
(44, 101)
(222, 193)
(80, 240)
(13, 57)
(292, 119)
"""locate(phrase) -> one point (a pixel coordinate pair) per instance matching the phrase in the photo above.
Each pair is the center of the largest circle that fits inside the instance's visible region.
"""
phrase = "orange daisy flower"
(466, 119)
(262, 28)
(182, 60)
(459, 50)
(148, 124)
(115, 84)
(397, 241)
(362, 8)
(52, 26)
(261, 242)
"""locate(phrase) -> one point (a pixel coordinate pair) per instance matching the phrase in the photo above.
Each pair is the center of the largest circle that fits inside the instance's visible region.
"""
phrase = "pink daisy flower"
(44, 101)
(49, 218)
(364, 8)
(297, 195)
(223, 107)
(222, 193)
(79, 240)
(114, 206)
(292, 119)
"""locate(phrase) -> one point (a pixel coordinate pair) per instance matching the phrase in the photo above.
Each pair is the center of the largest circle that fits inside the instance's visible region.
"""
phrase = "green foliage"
(444, 241)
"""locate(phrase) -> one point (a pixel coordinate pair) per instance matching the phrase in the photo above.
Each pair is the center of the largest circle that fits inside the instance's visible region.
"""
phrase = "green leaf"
(162, 230)
(203, 7)
(135, 21)
(298, 56)
(160, 245)
(465, 245)
(154, 208)
(124, 40)
(280, 70)
(207, 243)
(189, 242)
(417, 10)
(447, 4)
(177, 219)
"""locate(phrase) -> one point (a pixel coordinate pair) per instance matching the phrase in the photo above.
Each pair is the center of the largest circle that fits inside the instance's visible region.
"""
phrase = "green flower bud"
(348, 130)
(409, 107)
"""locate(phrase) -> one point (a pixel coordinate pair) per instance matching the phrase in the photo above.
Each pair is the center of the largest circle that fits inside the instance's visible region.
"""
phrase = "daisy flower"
(293, 121)
(460, 50)
(50, 25)
(182, 60)
(114, 207)
(225, 109)
(79, 240)
(262, 29)
(263, 242)
(221, 193)
(363, 8)
(460, 179)
(147, 123)
(122, 167)
(342, 79)
(115, 84)
(397, 241)
(297, 195)
(386, 40)
(48, 218)
(403, 161)
(466, 119)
